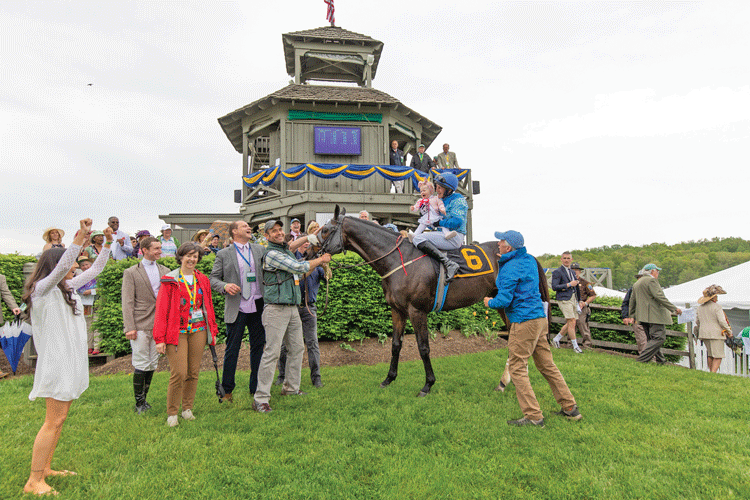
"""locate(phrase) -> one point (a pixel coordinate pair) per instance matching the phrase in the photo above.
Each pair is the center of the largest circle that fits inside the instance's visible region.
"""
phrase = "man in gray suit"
(651, 308)
(238, 275)
(140, 286)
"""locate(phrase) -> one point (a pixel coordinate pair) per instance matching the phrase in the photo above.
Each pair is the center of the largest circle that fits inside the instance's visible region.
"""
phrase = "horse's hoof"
(384, 384)
(422, 394)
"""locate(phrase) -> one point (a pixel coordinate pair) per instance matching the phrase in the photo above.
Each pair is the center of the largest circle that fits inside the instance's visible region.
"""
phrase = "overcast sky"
(588, 124)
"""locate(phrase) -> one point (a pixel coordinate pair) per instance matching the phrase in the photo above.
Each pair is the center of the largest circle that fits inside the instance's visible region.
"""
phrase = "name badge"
(250, 276)
(296, 279)
(196, 315)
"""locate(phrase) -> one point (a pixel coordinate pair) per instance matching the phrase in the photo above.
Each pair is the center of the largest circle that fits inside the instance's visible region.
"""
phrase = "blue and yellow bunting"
(331, 170)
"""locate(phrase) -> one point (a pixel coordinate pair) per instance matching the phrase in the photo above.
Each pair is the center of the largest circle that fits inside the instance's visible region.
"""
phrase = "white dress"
(60, 338)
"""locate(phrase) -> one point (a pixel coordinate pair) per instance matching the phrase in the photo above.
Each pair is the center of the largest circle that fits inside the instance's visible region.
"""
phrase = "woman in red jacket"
(184, 324)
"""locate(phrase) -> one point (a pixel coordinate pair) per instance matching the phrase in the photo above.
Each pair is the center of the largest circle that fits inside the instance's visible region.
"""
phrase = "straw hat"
(312, 226)
(711, 292)
(45, 235)
(199, 233)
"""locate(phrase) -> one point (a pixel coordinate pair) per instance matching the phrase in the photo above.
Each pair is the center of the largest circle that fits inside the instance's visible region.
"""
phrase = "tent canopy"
(735, 281)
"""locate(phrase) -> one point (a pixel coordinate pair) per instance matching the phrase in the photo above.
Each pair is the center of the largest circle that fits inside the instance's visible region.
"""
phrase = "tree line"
(680, 263)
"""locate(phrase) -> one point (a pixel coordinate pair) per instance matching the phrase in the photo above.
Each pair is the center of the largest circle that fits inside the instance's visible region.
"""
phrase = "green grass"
(648, 432)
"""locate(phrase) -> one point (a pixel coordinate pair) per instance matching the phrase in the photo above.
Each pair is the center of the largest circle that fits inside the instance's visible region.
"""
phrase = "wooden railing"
(624, 328)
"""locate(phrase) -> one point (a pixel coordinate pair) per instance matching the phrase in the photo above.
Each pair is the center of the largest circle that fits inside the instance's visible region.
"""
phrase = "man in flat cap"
(421, 161)
(651, 308)
(282, 273)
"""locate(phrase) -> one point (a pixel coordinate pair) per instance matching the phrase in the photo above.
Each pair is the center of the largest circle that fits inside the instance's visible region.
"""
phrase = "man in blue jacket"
(518, 293)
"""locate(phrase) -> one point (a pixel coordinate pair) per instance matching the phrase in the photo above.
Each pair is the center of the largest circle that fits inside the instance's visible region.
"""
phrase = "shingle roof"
(332, 33)
(330, 93)
(232, 122)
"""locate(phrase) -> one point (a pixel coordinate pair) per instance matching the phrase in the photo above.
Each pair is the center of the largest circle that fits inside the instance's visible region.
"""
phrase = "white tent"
(736, 303)
(602, 291)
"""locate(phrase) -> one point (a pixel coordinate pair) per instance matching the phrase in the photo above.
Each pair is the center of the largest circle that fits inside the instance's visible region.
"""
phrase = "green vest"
(278, 285)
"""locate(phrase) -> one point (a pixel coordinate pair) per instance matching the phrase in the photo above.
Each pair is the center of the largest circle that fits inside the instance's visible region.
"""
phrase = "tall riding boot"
(139, 381)
(450, 267)
(146, 387)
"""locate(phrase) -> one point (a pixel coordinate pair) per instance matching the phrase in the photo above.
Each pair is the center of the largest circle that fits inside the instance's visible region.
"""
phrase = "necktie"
(245, 284)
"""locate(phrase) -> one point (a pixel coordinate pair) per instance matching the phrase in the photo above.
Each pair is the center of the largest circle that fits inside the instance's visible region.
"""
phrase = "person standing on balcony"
(397, 159)
(446, 159)
(422, 161)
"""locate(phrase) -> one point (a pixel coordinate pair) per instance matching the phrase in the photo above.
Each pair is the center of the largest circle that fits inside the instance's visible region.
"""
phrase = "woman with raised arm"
(62, 370)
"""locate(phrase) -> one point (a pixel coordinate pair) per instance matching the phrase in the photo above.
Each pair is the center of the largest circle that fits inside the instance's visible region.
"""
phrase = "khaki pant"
(184, 368)
(529, 339)
(583, 327)
(640, 337)
(283, 325)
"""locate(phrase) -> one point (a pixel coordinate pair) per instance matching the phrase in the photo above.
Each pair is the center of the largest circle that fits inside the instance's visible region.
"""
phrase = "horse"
(411, 291)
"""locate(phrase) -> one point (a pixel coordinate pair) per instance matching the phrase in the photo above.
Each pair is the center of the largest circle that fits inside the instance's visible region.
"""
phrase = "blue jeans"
(235, 333)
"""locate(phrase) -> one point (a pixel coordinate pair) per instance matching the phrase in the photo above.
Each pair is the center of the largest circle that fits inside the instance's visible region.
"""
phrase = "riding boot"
(450, 267)
(139, 381)
(146, 387)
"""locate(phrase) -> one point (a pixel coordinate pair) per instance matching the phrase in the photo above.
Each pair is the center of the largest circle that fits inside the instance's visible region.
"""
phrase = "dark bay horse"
(409, 281)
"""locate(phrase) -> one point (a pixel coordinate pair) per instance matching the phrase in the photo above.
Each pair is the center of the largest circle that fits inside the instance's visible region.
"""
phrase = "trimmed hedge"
(356, 306)
(108, 318)
(12, 267)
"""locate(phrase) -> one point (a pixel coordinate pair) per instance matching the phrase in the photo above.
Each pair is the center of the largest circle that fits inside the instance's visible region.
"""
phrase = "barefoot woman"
(60, 339)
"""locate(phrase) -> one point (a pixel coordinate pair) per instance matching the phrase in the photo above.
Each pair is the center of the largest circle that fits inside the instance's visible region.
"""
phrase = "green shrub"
(357, 307)
(623, 337)
(108, 307)
(11, 266)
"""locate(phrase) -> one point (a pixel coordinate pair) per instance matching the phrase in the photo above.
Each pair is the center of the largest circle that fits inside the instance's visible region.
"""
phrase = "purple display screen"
(338, 141)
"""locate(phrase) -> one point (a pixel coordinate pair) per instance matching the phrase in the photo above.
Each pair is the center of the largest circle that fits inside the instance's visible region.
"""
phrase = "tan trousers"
(529, 339)
(640, 336)
(184, 368)
(583, 327)
(283, 325)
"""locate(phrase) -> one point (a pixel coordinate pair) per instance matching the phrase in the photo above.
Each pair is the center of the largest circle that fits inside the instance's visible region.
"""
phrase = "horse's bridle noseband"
(328, 246)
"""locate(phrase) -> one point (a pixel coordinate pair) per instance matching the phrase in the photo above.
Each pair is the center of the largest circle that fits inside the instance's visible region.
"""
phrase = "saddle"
(472, 261)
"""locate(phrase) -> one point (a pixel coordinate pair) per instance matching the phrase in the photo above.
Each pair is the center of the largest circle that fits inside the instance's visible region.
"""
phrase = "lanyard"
(192, 293)
(250, 266)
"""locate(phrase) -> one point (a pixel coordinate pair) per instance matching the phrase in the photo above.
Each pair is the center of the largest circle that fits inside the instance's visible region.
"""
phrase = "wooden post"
(691, 343)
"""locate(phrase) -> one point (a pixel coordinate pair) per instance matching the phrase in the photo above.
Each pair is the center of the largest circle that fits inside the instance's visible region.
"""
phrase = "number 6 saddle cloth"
(473, 260)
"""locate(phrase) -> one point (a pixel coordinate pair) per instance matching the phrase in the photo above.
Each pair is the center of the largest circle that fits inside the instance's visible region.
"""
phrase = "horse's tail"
(544, 291)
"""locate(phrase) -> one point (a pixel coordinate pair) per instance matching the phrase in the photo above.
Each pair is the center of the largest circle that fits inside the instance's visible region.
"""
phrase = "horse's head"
(331, 236)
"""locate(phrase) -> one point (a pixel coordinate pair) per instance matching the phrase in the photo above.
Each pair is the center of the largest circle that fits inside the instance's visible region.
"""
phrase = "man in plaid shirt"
(281, 296)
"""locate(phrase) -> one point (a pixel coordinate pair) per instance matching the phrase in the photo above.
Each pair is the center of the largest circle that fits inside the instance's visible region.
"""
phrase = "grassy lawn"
(648, 432)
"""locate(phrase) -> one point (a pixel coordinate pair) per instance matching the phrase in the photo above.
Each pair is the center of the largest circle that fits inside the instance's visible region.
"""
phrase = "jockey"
(456, 209)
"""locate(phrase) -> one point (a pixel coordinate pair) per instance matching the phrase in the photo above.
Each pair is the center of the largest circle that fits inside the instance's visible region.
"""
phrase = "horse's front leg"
(419, 322)
(399, 324)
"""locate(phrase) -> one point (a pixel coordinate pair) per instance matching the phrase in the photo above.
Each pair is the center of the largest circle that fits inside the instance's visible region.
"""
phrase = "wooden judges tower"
(296, 125)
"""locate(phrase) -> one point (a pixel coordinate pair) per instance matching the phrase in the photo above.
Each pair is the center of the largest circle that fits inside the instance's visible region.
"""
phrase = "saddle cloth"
(472, 261)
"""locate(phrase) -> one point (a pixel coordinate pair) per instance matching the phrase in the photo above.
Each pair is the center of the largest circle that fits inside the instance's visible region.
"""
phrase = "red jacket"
(168, 302)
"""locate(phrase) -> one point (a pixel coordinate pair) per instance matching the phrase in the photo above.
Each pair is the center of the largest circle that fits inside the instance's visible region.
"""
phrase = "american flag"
(330, 13)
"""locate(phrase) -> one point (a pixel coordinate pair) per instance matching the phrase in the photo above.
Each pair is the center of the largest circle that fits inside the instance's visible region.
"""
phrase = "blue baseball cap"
(514, 238)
